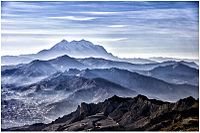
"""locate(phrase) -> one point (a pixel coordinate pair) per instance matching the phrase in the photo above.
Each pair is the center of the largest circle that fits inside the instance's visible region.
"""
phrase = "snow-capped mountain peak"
(78, 49)
(60, 45)
(74, 45)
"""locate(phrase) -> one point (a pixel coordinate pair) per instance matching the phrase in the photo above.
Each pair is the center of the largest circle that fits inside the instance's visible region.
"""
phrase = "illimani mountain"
(177, 73)
(142, 84)
(126, 114)
(76, 49)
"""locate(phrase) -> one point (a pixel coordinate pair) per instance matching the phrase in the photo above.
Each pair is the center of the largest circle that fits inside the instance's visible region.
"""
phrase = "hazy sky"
(127, 29)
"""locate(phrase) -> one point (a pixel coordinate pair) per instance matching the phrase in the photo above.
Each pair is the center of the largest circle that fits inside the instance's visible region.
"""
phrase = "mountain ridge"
(56, 96)
(43, 90)
(134, 80)
(74, 48)
(178, 73)
(140, 83)
(81, 48)
(128, 114)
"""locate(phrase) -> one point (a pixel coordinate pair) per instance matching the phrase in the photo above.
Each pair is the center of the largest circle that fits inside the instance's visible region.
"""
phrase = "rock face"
(130, 114)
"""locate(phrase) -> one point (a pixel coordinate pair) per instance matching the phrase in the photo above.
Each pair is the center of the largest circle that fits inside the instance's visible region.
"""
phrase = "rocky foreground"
(129, 114)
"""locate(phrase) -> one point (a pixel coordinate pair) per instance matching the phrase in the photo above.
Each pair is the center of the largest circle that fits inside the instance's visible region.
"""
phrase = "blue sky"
(126, 29)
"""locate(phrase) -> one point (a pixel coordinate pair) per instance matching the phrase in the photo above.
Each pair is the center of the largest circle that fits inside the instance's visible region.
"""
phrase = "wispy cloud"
(100, 13)
(76, 18)
(117, 25)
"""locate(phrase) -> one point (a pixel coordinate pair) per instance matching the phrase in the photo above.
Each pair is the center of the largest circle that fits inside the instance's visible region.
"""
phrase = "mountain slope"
(104, 63)
(37, 70)
(65, 62)
(53, 97)
(23, 73)
(27, 73)
(142, 84)
(13, 60)
(74, 85)
(76, 49)
(177, 73)
(127, 114)
(122, 64)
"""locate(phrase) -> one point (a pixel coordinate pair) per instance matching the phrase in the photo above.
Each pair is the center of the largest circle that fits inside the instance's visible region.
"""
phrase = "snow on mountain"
(80, 49)
(77, 49)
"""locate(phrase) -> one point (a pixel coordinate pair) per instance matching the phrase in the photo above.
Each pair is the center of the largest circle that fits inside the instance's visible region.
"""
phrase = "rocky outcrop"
(130, 114)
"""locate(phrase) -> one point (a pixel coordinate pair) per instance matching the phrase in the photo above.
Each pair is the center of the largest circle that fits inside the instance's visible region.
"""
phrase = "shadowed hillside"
(130, 114)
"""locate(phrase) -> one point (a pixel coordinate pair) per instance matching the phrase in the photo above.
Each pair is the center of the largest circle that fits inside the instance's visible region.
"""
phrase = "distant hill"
(37, 70)
(161, 59)
(140, 83)
(40, 69)
(177, 73)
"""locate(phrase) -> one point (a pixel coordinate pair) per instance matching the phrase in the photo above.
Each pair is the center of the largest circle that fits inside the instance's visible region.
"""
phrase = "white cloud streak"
(75, 18)
(100, 13)
(117, 26)
(141, 26)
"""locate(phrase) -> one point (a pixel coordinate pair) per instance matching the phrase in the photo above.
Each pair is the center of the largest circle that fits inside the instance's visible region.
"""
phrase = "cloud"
(100, 13)
(162, 14)
(144, 25)
(173, 13)
(109, 39)
(117, 26)
(19, 5)
(75, 18)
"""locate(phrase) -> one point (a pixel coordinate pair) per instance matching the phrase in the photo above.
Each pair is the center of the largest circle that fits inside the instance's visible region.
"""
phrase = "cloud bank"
(127, 29)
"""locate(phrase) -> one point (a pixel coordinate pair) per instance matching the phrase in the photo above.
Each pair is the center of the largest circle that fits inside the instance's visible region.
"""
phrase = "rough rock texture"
(130, 114)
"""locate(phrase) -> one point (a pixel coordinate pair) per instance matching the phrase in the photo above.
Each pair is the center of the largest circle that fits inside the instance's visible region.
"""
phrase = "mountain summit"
(77, 49)
(74, 49)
